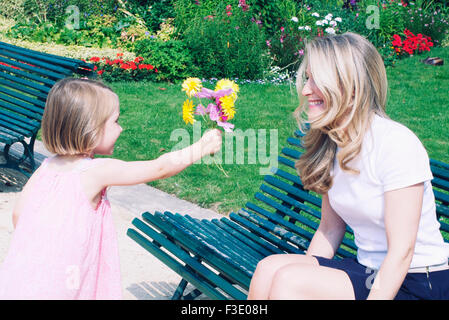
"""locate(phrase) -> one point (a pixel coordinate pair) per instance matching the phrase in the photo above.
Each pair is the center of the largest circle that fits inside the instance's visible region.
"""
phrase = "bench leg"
(28, 153)
(179, 290)
(192, 295)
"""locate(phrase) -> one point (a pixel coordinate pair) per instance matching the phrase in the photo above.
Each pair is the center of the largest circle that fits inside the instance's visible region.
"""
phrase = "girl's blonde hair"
(75, 114)
(351, 76)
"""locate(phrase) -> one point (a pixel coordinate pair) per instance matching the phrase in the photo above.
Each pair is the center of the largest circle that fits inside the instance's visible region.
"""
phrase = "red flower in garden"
(134, 68)
(412, 44)
(228, 10)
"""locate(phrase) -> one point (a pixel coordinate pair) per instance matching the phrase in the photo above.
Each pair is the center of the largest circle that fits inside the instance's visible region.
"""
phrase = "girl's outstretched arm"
(119, 173)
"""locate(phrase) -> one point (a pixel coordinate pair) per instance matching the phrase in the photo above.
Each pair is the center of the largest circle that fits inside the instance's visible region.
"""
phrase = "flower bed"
(123, 70)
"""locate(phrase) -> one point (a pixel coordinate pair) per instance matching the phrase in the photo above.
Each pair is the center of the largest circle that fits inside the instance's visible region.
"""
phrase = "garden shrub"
(153, 12)
(172, 58)
(227, 44)
(433, 22)
(187, 11)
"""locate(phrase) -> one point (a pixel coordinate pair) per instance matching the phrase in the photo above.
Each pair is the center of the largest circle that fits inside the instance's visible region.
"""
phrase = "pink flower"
(243, 5)
(228, 10)
(214, 114)
(282, 38)
(211, 94)
(226, 126)
(200, 110)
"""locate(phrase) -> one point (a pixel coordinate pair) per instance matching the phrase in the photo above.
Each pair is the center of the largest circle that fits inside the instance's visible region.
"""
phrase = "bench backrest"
(26, 77)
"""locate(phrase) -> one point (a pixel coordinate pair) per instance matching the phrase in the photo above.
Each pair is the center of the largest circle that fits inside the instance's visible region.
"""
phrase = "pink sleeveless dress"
(62, 248)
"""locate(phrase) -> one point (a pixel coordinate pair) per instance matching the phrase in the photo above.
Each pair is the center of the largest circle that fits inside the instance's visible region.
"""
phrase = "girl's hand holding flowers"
(220, 109)
(221, 106)
(211, 142)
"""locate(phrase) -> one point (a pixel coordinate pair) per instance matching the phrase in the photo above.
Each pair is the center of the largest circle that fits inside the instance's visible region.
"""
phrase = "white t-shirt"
(392, 157)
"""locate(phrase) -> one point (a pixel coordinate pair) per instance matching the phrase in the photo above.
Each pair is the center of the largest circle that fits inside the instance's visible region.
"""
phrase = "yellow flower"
(227, 104)
(191, 86)
(187, 112)
(228, 84)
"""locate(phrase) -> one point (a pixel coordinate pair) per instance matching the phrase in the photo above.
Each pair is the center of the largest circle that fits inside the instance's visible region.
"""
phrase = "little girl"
(64, 245)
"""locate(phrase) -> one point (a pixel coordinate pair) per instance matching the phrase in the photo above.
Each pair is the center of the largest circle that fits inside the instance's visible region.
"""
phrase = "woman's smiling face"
(314, 96)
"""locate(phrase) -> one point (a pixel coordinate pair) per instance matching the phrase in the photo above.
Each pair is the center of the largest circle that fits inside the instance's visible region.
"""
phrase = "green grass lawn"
(150, 112)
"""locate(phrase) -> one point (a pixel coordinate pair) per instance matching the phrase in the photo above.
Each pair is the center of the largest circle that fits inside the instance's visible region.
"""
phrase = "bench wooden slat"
(45, 68)
(15, 128)
(301, 218)
(38, 79)
(287, 162)
(440, 173)
(192, 242)
(31, 87)
(19, 120)
(300, 194)
(216, 239)
(440, 164)
(300, 240)
(254, 239)
(11, 135)
(440, 196)
(70, 63)
(295, 154)
(286, 212)
(33, 101)
(250, 225)
(288, 176)
(260, 250)
(238, 246)
(440, 183)
(30, 68)
(23, 105)
(21, 111)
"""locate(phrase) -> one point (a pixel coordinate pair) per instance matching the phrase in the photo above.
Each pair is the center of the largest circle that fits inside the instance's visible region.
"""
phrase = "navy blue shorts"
(416, 286)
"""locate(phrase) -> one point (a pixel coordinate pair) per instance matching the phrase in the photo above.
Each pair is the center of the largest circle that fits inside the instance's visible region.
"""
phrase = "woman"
(373, 174)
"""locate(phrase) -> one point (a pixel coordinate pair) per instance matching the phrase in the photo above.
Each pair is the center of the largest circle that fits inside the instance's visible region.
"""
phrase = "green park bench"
(218, 257)
(26, 77)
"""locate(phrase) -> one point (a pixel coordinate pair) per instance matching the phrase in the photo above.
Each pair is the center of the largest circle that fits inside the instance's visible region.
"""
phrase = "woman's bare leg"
(259, 288)
(301, 281)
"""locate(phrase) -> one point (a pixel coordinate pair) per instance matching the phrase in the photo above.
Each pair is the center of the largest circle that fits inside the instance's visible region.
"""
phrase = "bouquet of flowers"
(221, 106)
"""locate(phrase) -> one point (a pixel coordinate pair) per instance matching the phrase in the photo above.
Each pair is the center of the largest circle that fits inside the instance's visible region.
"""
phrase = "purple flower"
(226, 126)
(211, 94)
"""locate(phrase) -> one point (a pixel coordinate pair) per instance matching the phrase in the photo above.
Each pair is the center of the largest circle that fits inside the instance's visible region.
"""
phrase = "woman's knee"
(274, 262)
(291, 282)
(300, 282)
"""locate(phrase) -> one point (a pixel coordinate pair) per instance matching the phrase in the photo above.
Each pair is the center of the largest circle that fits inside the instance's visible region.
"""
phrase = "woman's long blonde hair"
(351, 76)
